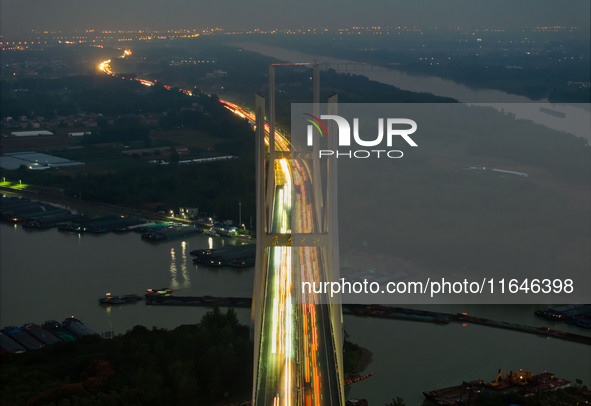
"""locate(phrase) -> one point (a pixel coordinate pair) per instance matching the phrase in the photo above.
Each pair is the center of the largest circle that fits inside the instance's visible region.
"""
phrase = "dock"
(239, 256)
(399, 313)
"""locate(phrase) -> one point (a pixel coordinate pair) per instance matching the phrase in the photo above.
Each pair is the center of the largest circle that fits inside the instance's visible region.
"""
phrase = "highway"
(297, 364)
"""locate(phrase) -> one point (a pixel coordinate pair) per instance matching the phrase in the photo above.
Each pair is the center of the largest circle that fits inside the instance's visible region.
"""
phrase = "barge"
(203, 301)
(577, 314)
(117, 300)
(238, 256)
(33, 337)
(520, 381)
(170, 232)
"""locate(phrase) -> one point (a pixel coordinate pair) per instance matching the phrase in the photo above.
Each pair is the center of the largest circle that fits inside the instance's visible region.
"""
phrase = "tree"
(398, 401)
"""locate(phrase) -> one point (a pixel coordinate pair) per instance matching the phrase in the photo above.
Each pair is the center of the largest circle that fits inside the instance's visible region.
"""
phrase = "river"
(50, 274)
(575, 119)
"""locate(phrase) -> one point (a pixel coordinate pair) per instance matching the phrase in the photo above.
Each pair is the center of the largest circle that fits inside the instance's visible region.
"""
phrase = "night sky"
(20, 16)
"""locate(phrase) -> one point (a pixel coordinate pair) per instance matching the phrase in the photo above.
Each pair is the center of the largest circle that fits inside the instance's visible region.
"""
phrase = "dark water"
(411, 357)
(51, 275)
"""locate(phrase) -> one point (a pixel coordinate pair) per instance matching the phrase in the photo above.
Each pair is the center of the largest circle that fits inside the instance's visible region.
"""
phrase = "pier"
(400, 313)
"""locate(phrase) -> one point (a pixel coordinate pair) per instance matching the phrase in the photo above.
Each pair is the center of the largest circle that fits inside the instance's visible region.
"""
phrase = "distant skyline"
(19, 17)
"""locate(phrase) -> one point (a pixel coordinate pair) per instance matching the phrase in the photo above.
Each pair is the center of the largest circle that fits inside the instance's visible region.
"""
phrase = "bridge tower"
(297, 341)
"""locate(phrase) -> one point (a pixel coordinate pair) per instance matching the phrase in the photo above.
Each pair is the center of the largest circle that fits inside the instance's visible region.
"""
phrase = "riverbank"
(103, 217)
(86, 206)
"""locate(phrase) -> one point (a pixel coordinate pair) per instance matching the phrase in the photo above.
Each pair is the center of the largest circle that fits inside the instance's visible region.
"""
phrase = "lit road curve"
(297, 348)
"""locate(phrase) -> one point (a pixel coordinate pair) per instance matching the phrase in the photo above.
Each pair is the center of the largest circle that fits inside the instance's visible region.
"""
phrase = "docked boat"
(9, 345)
(159, 292)
(24, 339)
(238, 256)
(41, 334)
(58, 330)
(212, 232)
(116, 300)
(228, 232)
(170, 233)
(77, 327)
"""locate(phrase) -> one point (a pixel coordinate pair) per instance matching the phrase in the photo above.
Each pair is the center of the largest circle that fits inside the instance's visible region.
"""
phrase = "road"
(297, 364)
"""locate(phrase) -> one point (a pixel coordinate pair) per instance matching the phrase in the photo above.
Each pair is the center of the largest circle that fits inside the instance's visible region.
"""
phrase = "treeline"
(196, 364)
(211, 117)
(207, 116)
(98, 94)
(550, 82)
(215, 187)
(124, 129)
(201, 364)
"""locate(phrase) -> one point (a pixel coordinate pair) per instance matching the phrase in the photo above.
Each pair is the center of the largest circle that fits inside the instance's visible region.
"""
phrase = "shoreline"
(86, 206)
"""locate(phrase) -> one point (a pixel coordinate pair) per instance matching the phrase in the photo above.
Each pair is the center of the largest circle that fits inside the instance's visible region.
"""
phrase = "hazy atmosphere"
(295, 203)
(21, 16)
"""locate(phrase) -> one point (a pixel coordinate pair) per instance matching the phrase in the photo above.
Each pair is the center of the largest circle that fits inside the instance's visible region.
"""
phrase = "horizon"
(21, 17)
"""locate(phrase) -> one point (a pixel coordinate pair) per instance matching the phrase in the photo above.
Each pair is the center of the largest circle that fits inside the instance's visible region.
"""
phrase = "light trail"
(291, 175)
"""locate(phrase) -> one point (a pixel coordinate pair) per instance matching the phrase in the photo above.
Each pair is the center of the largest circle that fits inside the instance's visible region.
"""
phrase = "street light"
(240, 213)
